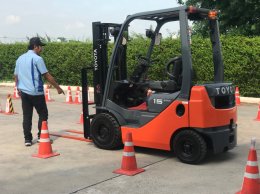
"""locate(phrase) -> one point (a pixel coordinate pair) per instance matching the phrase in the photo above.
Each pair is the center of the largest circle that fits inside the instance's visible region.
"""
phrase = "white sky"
(71, 19)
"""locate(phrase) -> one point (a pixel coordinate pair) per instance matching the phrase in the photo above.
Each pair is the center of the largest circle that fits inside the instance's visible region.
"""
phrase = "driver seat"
(175, 75)
(177, 70)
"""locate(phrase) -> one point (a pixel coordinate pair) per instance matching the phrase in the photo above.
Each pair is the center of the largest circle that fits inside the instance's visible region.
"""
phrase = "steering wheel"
(140, 69)
(171, 67)
(143, 61)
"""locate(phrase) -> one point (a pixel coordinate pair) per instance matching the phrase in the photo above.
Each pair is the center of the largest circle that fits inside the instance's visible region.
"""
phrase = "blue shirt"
(29, 69)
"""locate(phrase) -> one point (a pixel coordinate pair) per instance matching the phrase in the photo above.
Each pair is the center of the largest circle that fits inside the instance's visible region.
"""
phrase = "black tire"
(105, 132)
(189, 147)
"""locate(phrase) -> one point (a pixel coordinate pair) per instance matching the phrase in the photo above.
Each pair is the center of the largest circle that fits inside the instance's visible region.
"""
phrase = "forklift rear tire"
(105, 131)
(189, 147)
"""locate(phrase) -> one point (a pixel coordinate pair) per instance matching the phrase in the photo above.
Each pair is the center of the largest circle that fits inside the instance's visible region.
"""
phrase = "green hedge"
(65, 60)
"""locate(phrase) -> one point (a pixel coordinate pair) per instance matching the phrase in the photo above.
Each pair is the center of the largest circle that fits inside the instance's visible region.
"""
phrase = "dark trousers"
(28, 102)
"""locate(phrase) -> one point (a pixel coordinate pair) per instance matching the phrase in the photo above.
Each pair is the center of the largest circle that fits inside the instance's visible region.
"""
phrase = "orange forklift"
(180, 116)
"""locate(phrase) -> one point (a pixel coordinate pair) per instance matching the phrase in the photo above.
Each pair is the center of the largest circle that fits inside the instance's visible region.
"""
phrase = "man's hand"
(149, 92)
(60, 91)
(52, 81)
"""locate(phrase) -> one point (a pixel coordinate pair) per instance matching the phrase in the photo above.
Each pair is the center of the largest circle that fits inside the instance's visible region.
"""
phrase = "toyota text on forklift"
(187, 118)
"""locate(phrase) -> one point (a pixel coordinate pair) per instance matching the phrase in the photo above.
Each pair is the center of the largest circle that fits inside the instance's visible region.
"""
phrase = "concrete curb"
(91, 89)
(250, 100)
(65, 88)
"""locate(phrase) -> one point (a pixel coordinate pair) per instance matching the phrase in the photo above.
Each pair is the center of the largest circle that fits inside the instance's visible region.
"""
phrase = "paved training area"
(82, 168)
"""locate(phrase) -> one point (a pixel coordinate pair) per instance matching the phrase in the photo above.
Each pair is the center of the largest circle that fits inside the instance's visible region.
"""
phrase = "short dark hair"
(35, 41)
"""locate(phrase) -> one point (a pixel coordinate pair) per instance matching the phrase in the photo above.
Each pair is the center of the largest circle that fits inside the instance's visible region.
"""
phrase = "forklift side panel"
(158, 132)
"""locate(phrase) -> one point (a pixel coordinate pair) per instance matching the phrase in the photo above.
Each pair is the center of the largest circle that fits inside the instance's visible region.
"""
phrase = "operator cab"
(132, 70)
(131, 92)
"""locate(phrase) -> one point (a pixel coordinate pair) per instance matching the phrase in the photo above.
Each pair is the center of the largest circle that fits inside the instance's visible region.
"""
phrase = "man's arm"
(16, 84)
(52, 81)
(16, 80)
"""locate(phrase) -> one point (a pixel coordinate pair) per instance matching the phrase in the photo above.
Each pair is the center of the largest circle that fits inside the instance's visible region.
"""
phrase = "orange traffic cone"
(258, 114)
(45, 149)
(69, 96)
(16, 95)
(237, 96)
(81, 121)
(129, 166)
(48, 95)
(251, 183)
(77, 97)
(9, 109)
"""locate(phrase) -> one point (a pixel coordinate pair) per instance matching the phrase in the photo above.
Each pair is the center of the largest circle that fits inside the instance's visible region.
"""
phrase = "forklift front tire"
(189, 147)
(105, 131)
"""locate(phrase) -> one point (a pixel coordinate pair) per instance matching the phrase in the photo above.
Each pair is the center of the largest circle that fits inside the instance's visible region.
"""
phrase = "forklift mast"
(101, 35)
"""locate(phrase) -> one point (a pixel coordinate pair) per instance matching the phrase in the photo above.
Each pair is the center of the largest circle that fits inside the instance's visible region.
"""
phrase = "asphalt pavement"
(82, 168)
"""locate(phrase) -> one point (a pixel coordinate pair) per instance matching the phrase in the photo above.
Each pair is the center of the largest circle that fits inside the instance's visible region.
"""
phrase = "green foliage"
(202, 59)
(64, 60)
(237, 17)
(8, 55)
(242, 63)
(169, 48)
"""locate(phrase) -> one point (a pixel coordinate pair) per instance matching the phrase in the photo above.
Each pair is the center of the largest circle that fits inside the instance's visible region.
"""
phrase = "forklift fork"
(86, 103)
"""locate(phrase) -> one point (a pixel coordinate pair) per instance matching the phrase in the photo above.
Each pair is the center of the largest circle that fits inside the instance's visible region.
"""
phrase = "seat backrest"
(177, 71)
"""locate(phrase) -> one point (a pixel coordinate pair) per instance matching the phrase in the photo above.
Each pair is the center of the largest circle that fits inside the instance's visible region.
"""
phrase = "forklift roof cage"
(182, 14)
(103, 71)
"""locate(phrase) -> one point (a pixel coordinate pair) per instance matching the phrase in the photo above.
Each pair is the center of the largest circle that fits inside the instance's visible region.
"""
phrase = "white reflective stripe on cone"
(129, 143)
(251, 176)
(128, 153)
(251, 163)
(44, 131)
(45, 140)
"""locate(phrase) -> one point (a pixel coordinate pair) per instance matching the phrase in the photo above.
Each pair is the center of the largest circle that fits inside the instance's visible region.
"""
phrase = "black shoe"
(28, 143)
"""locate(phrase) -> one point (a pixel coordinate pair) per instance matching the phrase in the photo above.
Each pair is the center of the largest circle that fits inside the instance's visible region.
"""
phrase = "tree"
(235, 16)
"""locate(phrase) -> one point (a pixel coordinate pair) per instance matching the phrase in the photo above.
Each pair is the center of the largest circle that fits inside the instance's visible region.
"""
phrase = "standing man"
(29, 70)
